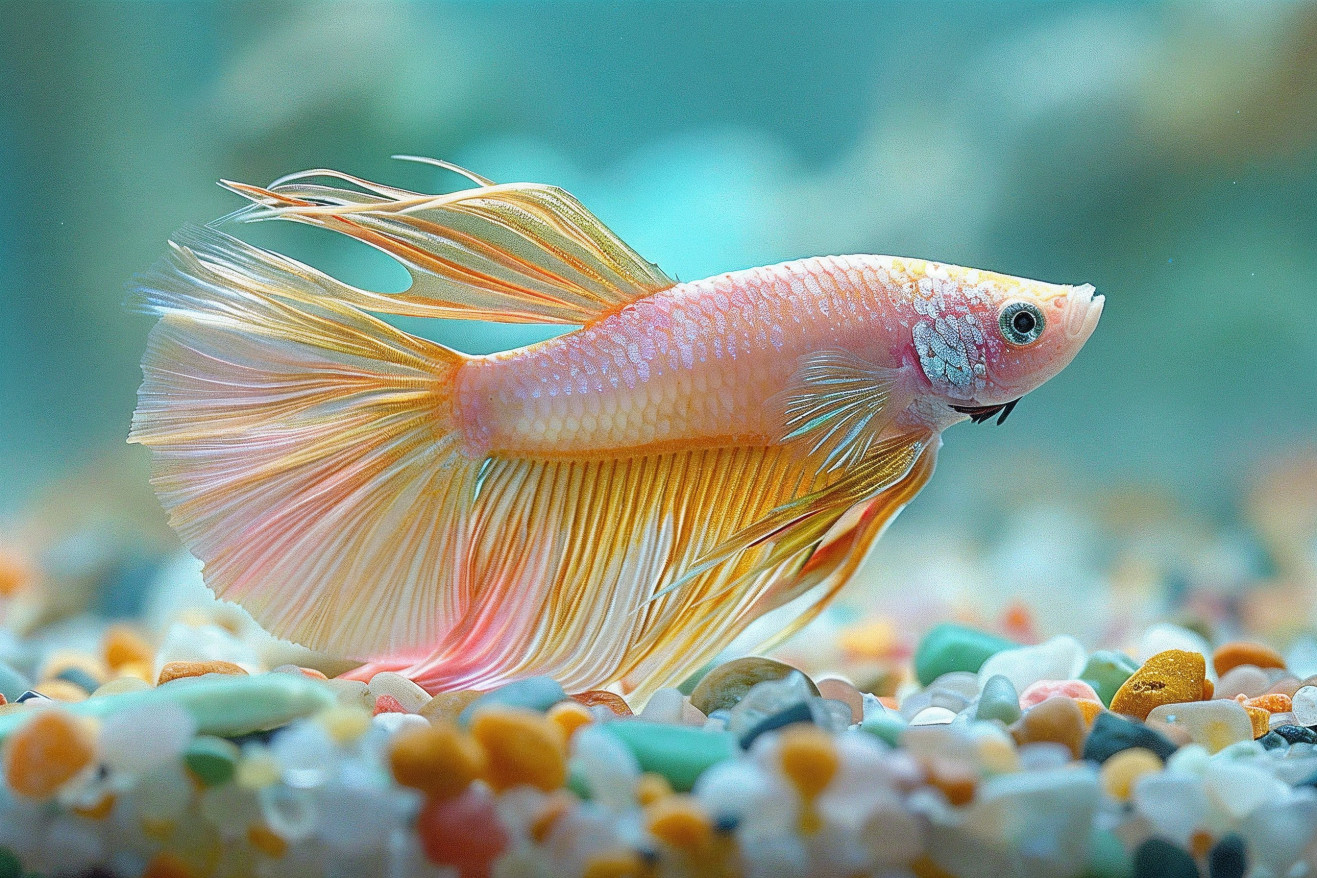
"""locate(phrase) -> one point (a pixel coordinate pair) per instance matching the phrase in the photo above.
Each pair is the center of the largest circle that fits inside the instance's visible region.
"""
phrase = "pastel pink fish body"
(611, 506)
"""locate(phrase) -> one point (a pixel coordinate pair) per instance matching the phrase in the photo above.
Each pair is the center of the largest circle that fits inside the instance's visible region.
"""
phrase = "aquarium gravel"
(994, 758)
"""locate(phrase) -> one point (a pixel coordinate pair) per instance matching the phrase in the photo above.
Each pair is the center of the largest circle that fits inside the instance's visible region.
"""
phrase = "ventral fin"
(838, 404)
(509, 252)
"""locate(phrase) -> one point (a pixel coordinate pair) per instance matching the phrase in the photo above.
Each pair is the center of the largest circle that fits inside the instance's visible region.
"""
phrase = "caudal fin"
(303, 449)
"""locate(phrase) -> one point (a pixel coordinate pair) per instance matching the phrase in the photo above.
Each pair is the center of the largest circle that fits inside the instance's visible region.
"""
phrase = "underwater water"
(1158, 496)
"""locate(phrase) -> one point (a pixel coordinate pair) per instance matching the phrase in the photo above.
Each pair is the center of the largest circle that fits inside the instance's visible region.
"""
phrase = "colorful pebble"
(49, 749)
(1231, 655)
(1171, 677)
(725, 685)
(523, 748)
(947, 648)
(440, 760)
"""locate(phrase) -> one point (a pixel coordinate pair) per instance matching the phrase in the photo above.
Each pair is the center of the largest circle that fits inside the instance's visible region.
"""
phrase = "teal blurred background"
(1166, 153)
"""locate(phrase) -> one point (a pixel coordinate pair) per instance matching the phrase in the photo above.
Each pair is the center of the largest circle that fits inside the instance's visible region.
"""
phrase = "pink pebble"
(388, 704)
(1045, 689)
(463, 832)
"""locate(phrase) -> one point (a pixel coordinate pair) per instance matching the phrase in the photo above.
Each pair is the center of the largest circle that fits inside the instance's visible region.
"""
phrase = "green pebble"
(679, 753)
(1107, 671)
(10, 867)
(211, 760)
(532, 693)
(1107, 857)
(888, 726)
(998, 701)
(220, 704)
(948, 648)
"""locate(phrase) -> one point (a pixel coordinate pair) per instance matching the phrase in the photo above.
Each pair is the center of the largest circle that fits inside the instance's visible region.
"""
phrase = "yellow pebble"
(167, 866)
(809, 759)
(46, 752)
(1090, 710)
(61, 690)
(680, 822)
(1122, 769)
(448, 705)
(345, 723)
(179, 670)
(1171, 677)
(569, 716)
(523, 748)
(257, 770)
(98, 810)
(136, 671)
(651, 787)
(440, 760)
(122, 645)
(1261, 720)
(266, 841)
(614, 864)
(120, 685)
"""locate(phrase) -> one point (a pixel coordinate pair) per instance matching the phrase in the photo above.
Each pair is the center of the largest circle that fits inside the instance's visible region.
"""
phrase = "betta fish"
(610, 506)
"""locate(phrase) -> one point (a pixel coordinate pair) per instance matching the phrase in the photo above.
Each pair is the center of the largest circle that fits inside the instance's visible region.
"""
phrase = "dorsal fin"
(510, 252)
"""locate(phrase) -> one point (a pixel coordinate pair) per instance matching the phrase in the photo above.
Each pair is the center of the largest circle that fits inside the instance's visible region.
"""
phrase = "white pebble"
(664, 707)
(932, 716)
(137, 740)
(1304, 705)
(1236, 788)
(607, 766)
(1247, 680)
(1163, 636)
(1061, 658)
(393, 723)
(411, 696)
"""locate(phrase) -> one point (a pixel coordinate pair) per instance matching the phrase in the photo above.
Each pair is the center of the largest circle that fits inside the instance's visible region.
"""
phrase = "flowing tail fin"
(305, 451)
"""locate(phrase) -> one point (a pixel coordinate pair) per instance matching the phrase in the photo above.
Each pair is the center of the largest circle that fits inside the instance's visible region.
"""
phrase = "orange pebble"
(1209, 689)
(15, 573)
(1273, 703)
(97, 811)
(651, 787)
(46, 752)
(569, 716)
(267, 841)
(179, 670)
(550, 813)
(1170, 677)
(809, 759)
(616, 703)
(614, 864)
(1089, 709)
(140, 670)
(1200, 843)
(440, 760)
(122, 645)
(680, 822)
(167, 865)
(1261, 720)
(957, 781)
(1240, 652)
(523, 748)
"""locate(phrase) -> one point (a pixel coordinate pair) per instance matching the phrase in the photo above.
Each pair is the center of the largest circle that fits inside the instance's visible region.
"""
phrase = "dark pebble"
(264, 736)
(10, 867)
(1295, 734)
(796, 713)
(1112, 733)
(80, 678)
(726, 823)
(29, 695)
(1156, 858)
(1272, 741)
(97, 872)
(1228, 859)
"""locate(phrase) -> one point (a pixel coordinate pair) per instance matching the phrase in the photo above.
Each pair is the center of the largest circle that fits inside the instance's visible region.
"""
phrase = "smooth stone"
(448, 705)
(840, 690)
(998, 701)
(1106, 671)
(1246, 680)
(10, 866)
(220, 705)
(1061, 658)
(409, 695)
(933, 716)
(532, 693)
(664, 706)
(1304, 705)
(1048, 813)
(766, 698)
(1228, 857)
(1295, 734)
(726, 685)
(688, 685)
(1215, 724)
(1057, 720)
(1042, 690)
(1237, 788)
(1158, 858)
(947, 648)
(1173, 676)
(1112, 733)
(1173, 803)
(679, 753)
(211, 760)
(1107, 857)
(136, 740)
(1240, 652)
(797, 713)
(80, 678)
(1273, 741)
(12, 683)
(887, 727)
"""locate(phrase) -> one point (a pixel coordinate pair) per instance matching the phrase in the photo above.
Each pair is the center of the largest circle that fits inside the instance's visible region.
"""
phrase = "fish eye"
(1021, 323)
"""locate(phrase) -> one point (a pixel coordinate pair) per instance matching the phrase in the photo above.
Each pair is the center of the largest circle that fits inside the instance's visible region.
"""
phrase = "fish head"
(984, 340)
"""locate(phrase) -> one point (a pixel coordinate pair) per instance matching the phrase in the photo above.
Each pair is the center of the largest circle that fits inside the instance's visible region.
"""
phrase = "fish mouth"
(980, 413)
(1083, 315)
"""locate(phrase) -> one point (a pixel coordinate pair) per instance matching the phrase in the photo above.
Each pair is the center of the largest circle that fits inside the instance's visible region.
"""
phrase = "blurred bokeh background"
(1166, 153)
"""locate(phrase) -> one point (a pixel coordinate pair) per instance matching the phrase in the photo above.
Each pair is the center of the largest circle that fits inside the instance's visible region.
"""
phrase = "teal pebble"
(998, 701)
(1107, 857)
(948, 648)
(12, 683)
(220, 704)
(533, 693)
(10, 867)
(887, 726)
(1106, 672)
(679, 753)
(1157, 858)
(78, 677)
(211, 760)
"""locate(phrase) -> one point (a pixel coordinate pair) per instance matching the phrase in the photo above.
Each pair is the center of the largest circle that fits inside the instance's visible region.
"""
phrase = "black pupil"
(1023, 322)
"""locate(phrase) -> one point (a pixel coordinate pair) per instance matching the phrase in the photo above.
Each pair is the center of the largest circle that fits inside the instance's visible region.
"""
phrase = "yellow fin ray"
(511, 252)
